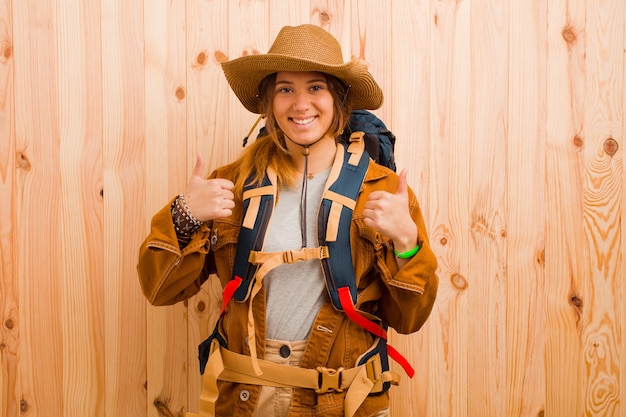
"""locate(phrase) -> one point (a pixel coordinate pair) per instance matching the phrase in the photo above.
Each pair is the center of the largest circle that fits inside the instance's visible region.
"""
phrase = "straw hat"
(302, 48)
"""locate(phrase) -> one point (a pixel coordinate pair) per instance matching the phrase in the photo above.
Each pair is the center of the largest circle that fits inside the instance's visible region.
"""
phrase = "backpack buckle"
(305, 254)
(328, 380)
(292, 256)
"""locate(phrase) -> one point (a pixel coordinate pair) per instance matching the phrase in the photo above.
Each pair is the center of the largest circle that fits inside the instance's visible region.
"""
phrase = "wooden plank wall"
(510, 116)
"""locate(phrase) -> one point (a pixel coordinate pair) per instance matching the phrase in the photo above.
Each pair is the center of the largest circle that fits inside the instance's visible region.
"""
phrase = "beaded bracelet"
(408, 254)
(185, 223)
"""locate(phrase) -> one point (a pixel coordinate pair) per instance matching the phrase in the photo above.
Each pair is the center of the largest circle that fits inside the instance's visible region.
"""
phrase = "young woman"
(300, 338)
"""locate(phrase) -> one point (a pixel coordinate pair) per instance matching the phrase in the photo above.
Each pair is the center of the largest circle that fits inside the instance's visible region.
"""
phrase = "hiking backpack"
(366, 137)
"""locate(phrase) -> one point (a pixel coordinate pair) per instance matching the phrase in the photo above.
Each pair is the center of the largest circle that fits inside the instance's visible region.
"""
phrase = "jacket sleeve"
(411, 290)
(168, 274)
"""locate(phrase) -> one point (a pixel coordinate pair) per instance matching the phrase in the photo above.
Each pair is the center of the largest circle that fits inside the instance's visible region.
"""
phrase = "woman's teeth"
(303, 121)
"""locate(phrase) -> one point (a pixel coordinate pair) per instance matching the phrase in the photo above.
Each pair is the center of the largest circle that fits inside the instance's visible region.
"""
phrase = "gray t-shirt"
(295, 292)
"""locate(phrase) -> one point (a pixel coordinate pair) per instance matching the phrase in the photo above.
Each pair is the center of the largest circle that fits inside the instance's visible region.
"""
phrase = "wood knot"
(9, 324)
(541, 258)
(162, 409)
(569, 35)
(611, 146)
(24, 406)
(220, 56)
(577, 306)
(201, 58)
(578, 141)
(576, 302)
(201, 306)
(180, 93)
(458, 281)
(8, 52)
(251, 51)
(443, 241)
(324, 17)
(22, 161)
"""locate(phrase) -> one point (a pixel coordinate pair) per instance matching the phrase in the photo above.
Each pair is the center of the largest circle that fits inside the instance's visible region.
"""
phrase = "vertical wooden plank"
(525, 164)
(371, 42)
(622, 324)
(124, 195)
(408, 96)
(248, 33)
(81, 272)
(208, 91)
(166, 176)
(430, 100)
(9, 338)
(604, 188)
(207, 126)
(487, 271)
(38, 202)
(565, 253)
(410, 78)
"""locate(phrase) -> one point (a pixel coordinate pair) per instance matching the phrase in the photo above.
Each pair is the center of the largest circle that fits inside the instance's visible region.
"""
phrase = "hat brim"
(244, 75)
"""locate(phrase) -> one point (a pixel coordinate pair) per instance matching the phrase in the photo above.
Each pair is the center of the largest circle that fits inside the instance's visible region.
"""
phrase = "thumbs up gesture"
(389, 214)
(208, 199)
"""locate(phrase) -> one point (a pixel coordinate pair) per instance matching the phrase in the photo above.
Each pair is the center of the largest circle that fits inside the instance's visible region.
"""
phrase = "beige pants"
(274, 401)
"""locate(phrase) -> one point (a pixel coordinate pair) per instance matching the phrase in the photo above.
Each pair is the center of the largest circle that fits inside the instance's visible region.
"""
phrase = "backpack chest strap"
(287, 257)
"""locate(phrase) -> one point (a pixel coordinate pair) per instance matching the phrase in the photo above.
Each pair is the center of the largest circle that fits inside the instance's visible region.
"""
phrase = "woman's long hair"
(271, 150)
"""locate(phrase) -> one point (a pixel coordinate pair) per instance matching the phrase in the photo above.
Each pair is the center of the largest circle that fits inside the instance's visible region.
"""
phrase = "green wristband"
(408, 254)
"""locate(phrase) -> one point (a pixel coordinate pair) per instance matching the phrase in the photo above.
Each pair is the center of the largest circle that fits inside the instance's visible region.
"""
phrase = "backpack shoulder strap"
(338, 203)
(258, 204)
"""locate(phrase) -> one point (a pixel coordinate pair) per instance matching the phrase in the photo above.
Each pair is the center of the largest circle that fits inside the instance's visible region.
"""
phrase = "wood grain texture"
(9, 302)
(603, 184)
(525, 234)
(509, 117)
(81, 276)
(123, 189)
(248, 33)
(38, 238)
(487, 274)
(565, 258)
(434, 106)
(166, 175)
(622, 287)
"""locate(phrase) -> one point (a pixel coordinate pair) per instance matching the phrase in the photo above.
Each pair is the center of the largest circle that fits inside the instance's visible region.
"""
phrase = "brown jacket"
(404, 298)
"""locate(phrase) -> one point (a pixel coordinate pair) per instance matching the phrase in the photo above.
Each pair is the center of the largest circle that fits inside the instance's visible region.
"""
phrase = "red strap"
(348, 307)
(229, 291)
(401, 360)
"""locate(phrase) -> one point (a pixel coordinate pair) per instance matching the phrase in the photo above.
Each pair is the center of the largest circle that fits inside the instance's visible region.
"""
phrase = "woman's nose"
(300, 101)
